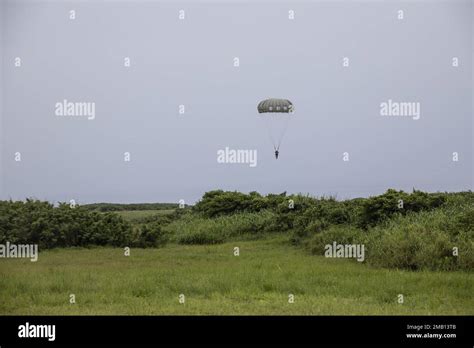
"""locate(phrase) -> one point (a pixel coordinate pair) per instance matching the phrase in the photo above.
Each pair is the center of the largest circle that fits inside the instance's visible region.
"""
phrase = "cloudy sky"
(48, 57)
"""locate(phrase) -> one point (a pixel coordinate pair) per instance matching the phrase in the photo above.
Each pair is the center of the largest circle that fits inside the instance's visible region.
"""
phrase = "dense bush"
(323, 213)
(380, 208)
(425, 240)
(319, 212)
(48, 226)
(150, 236)
(218, 202)
(290, 209)
(339, 234)
(36, 222)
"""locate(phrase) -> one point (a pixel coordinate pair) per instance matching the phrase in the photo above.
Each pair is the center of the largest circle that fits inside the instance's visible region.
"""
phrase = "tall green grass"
(194, 229)
(426, 240)
(423, 240)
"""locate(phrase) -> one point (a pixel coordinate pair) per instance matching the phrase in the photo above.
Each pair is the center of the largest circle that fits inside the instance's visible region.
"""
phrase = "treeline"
(37, 222)
(304, 210)
(104, 207)
(414, 230)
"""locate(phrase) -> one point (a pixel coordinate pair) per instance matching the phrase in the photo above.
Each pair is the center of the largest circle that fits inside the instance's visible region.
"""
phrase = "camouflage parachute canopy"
(275, 105)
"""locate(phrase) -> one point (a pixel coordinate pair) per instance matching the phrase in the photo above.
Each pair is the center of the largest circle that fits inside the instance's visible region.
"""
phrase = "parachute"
(277, 113)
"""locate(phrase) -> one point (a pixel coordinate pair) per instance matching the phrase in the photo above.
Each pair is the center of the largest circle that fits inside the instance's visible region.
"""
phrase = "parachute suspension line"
(283, 132)
(269, 131)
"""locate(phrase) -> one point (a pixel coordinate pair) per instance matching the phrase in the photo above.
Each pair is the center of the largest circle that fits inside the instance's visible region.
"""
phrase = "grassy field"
(214, 281)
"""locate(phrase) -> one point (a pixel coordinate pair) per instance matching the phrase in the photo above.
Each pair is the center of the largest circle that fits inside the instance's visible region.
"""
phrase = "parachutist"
(279, 111)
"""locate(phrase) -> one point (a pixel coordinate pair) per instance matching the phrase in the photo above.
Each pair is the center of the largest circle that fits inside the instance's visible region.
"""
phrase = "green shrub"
(151, 235)
(36, 222)
(381, 208)
(217, 203)
(321, 214)
(341, 234)
(424, 240)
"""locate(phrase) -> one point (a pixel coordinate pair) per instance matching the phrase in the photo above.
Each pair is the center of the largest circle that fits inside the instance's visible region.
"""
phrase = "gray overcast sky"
(190, 62)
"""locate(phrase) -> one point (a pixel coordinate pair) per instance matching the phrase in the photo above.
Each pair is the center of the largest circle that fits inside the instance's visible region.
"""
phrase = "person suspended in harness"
(277, 113)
